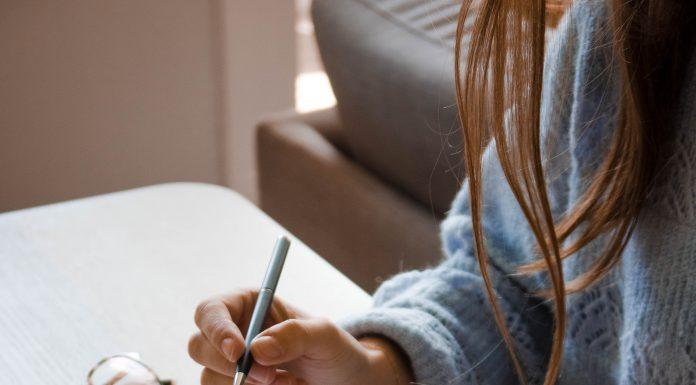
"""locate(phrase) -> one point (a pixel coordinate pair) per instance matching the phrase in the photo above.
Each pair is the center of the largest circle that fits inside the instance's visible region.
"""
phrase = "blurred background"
(336, 117)
(99, 96)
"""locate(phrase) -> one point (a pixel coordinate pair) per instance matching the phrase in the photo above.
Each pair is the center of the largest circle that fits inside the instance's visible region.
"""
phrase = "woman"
(571, 247)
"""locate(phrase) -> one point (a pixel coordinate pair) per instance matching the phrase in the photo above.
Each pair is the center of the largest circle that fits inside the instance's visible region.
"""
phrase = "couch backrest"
(391, 67)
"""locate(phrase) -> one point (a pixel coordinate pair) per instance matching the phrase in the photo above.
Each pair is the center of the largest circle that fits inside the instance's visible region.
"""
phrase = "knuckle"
(295, 326)
(201, 311)
(247, 297)
(247, 290)
(241, 294)
(323, 322)
(325, 327)
(217, 331)
(299, 330)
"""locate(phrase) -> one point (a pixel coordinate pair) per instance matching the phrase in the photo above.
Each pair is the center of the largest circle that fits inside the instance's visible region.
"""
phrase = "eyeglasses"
(123, 369)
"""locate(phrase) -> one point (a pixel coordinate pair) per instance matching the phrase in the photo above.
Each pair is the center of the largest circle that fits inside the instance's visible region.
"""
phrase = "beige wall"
(98, 96)
(259, 49)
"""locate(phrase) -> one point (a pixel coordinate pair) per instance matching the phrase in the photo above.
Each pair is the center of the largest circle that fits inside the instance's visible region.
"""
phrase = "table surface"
(123, 272)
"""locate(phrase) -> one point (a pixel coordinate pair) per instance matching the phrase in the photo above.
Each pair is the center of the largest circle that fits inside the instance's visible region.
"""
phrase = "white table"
(123, 272)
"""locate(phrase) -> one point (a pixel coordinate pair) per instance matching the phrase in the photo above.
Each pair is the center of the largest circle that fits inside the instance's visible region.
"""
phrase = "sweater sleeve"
(441, 317)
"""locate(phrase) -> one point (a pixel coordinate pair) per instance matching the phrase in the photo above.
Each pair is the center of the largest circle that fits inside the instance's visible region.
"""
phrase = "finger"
(214, 320)
(201, 350)
(281, 378)
(211, 377)
(240, 304)
(289, 340)
(262, 374)
(284, 378)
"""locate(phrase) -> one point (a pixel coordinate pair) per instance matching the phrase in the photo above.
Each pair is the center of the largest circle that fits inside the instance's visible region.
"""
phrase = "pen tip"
(239, 378)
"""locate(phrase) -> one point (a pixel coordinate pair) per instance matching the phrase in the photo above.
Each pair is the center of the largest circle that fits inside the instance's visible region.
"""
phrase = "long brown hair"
(498, 84)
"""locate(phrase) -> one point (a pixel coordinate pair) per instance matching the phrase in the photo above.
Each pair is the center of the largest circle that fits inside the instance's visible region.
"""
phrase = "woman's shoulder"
(586, 15)
(583, 33)
(579, 92)
(577, 115)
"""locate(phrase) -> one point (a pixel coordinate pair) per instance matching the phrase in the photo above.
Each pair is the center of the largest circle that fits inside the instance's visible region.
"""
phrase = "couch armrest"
(358, 223)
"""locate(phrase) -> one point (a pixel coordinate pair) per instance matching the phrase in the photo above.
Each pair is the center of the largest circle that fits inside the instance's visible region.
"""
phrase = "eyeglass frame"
(129, 357)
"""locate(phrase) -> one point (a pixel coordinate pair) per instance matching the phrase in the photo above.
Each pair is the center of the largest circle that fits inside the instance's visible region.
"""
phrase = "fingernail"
(228, 348)
(268, 347)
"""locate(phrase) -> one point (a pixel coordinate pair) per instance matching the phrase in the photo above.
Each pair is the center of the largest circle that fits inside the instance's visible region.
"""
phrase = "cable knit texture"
(636, 326)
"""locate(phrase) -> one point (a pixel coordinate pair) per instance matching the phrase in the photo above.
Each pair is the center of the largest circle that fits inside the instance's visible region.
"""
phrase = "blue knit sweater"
(636, 326)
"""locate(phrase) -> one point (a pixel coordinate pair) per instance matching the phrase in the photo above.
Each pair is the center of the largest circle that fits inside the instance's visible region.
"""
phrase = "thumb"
(316, 338)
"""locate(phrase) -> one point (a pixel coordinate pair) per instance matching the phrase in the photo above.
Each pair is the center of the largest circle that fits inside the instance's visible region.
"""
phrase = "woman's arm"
(441, 318)
(435, 326)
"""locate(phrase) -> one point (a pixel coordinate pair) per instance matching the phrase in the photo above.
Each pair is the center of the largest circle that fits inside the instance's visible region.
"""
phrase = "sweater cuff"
(428, 345)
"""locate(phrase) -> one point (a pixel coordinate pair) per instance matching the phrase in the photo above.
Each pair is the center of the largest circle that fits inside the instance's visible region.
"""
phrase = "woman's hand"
(294, 348)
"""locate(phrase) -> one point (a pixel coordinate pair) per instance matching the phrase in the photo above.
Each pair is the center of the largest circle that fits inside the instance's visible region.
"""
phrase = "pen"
(263, 304)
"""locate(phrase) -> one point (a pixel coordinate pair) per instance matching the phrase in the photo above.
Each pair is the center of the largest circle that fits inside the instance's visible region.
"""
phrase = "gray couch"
(367, 183)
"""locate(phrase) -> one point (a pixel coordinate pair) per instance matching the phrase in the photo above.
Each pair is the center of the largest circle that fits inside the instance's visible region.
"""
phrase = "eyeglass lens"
(122, 371)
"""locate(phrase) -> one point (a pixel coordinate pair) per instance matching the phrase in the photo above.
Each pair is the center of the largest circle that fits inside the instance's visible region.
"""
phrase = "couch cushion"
(391, 67)
(355, 221)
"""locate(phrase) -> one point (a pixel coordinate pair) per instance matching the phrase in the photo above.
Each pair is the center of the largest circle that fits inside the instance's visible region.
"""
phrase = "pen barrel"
(280, 251)
(263, 303)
